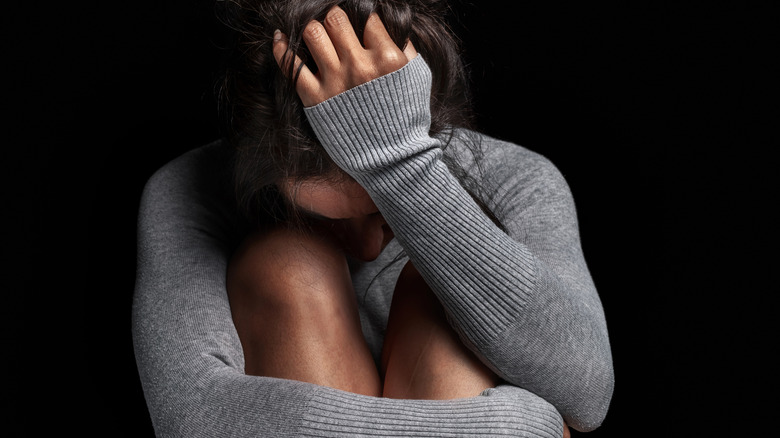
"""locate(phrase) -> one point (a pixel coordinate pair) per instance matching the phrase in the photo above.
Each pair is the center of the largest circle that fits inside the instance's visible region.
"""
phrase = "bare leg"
(296, 314)
(423, 358)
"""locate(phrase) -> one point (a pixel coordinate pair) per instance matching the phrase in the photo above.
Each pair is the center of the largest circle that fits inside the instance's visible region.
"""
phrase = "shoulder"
(524, 189)
(498, 164)
(199, 168)
(189, 199)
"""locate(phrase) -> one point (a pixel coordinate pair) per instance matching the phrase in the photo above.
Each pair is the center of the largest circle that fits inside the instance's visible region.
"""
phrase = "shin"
(423, 358)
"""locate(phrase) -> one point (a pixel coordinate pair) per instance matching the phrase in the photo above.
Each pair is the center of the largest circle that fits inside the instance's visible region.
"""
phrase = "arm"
(523, 301)
(527, 307)
(189, 356)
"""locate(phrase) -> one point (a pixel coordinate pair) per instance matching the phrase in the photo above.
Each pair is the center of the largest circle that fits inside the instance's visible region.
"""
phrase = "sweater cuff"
(501, 411)
(378, 123)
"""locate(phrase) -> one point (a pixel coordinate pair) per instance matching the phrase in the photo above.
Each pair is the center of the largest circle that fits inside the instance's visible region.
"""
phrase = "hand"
(342, 62)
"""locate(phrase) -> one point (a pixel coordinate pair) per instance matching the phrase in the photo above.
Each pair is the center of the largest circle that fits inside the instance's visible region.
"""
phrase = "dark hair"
(262, 115)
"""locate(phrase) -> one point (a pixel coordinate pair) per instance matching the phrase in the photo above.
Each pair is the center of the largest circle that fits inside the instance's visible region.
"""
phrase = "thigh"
(296, 314)
(423, 358)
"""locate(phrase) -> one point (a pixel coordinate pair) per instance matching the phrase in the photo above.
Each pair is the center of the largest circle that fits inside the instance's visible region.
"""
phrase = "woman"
(406, 276)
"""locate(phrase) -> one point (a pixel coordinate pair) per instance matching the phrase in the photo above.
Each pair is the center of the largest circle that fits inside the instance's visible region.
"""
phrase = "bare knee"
(274, 276)
(295, 312)
(270, 264)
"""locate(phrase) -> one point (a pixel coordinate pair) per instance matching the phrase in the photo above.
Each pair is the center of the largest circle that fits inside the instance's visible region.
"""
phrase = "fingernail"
(277, 35)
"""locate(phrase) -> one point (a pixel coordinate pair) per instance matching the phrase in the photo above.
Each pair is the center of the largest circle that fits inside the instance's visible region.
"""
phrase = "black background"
(658, 115)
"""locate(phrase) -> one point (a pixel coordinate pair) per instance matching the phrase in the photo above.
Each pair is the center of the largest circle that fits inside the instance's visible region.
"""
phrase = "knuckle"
(337, 18)
(391, 57)
(364, 73)
(373, 18)
(313, 31)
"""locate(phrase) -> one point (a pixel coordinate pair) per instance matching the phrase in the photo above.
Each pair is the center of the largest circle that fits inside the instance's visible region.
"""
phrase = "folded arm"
(524, 300)
(189, 355)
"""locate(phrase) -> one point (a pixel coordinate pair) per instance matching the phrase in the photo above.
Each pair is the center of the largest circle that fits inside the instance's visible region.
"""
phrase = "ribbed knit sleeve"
(378, 133)
(504, 411)
(189, 356)
(523, 301)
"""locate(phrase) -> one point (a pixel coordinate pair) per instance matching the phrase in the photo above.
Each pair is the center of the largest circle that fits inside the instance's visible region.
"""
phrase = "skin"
(344, 210)
(293, 285)
(343, 62)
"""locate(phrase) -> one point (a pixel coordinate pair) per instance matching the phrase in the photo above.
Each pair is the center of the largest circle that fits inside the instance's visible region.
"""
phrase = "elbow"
(582, 392)
(591, 407)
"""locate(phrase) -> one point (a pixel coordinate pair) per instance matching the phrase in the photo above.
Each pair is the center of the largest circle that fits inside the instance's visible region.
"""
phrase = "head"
(344, 211)
(281, 170)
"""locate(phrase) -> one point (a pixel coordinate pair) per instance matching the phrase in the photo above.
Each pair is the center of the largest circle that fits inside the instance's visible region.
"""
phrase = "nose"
(369, 236)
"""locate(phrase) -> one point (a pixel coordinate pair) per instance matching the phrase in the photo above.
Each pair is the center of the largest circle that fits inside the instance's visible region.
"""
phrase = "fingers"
(410, 51)
(306, 80)
(375, 36)
(341, 33)
(280, 50)
(376, 39)
(318, 40)
(342, 61)
(333, 41)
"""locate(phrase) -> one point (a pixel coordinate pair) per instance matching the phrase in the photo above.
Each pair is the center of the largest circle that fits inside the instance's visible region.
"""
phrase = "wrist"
(378, 123)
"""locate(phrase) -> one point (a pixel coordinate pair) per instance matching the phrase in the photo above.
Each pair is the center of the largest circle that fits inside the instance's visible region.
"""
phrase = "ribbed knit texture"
(504, 411)
(378, 133)
(524, 301)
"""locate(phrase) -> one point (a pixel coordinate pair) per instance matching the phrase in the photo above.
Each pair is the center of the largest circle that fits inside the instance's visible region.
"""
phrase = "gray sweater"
(522, 300)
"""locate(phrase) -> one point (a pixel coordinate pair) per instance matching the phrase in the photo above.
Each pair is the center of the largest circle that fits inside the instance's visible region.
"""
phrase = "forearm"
(505, 411)
(380, 137)
(228, 403)
(492, 285)
(537, 324)
(482, 277)
(190, 359)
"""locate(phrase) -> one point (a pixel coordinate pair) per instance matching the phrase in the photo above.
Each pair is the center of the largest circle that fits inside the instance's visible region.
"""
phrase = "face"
(347, 211)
